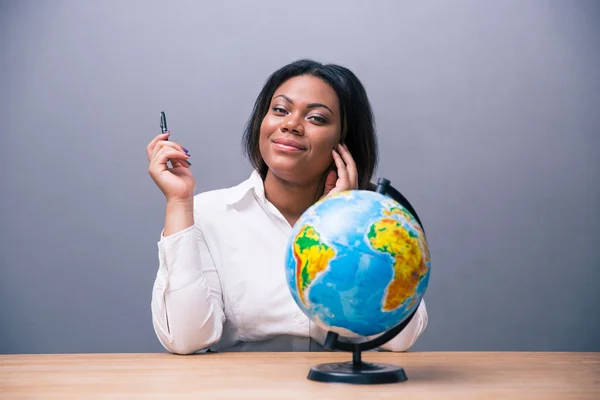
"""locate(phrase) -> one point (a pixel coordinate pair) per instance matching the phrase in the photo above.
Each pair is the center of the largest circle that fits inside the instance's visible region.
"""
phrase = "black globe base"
(363, 373)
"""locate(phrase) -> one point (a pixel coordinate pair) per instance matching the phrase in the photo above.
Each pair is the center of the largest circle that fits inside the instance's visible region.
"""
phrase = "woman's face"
(300, 129)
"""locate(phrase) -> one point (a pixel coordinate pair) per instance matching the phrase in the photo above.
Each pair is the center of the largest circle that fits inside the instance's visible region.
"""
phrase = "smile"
(288, 145)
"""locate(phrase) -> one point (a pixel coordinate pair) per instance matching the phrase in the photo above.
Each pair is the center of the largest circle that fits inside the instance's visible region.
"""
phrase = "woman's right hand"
(177, 183)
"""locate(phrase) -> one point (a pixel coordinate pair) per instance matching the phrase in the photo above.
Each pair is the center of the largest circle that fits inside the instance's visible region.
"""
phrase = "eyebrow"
(311, 105)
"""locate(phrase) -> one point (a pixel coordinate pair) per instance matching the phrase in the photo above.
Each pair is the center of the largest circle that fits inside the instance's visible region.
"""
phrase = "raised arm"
(187, 304)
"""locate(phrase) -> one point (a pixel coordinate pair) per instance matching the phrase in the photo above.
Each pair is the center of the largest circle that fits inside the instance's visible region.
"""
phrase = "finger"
(177, 164)
(163, 143)
(350, 165)
(174, 145)
(341, 168)
(330, 180)
(152, 144)
(167, 153)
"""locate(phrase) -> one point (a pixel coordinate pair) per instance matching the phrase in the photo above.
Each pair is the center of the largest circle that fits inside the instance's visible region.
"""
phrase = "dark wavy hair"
(357, 122)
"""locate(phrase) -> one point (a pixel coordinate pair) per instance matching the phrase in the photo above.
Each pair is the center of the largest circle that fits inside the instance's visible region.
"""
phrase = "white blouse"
(221, 282)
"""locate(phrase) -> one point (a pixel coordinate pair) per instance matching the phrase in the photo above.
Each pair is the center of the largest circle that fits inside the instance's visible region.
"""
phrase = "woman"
(221, 282)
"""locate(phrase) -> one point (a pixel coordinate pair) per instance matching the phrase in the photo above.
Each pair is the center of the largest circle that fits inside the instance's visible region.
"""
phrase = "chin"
(291, 168)
(289, 173)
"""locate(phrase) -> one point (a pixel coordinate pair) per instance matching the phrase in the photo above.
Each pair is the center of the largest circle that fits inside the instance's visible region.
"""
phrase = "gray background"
(489, 122)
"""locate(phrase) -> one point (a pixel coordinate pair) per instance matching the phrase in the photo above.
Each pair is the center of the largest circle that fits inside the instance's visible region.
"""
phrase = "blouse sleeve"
(409, 335)
(187, 302)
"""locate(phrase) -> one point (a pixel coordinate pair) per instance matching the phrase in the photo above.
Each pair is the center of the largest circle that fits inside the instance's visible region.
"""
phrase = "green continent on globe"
(312, 257)
(389, 236)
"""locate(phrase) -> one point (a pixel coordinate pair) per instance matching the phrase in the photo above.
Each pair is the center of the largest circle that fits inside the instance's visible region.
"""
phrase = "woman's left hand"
(346, 177)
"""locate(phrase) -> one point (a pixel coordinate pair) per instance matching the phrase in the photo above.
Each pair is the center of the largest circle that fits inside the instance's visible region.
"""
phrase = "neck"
(291, 199)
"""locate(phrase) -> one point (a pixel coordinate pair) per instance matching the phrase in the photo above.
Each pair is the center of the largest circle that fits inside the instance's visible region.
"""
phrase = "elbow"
(179, 348)
(406, 339)
(185, 340)
(399, 346)
(182, 345)
(183, 348)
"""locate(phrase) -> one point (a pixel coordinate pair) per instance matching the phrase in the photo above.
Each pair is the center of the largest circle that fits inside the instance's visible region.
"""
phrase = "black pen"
(163, 123)
(164, 129)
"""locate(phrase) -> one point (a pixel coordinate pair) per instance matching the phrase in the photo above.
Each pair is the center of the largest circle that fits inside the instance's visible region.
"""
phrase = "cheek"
(326, 142)
(268, 125)
(266, 129)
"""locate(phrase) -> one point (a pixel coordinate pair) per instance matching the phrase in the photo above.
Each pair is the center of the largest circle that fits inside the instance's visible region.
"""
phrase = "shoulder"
(215, 198)
(218, 200)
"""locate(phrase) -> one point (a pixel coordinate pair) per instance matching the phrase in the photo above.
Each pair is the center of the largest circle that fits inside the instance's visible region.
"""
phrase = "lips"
(289, 143)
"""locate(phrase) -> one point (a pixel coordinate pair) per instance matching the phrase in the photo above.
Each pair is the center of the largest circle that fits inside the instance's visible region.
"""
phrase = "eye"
(318, 119)
(279, 110)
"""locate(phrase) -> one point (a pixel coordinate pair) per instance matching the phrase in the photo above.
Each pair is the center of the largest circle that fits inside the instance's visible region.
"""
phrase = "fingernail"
(189, 163)
(184, 149)
(334, 149)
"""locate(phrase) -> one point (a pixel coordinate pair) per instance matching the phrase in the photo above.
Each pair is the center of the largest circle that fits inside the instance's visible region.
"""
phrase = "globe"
(357, 263)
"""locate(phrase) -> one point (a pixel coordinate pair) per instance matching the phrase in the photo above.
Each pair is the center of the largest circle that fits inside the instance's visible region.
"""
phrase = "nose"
(292, 125)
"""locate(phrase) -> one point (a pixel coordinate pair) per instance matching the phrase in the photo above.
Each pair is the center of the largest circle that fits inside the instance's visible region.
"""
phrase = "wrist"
(179, 215)
(183, 203)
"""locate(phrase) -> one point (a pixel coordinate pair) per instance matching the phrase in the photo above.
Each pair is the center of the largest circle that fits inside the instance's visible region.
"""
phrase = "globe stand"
(358, 371)
(384, 187)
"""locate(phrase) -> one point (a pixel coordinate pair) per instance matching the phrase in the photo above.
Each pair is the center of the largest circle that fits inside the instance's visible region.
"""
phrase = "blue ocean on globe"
(357, 263)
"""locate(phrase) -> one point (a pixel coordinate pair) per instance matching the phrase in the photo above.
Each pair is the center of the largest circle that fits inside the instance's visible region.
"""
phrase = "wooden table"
(281, 376)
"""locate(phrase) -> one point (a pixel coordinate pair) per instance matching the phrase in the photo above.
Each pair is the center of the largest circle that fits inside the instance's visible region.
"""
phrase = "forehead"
(308, 89)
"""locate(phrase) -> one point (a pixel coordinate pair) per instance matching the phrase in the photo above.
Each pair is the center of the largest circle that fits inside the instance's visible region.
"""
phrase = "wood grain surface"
(435, 375)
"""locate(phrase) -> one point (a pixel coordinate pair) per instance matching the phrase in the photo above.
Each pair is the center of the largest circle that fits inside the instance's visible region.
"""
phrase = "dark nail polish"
(184, 149)
(189, 163)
